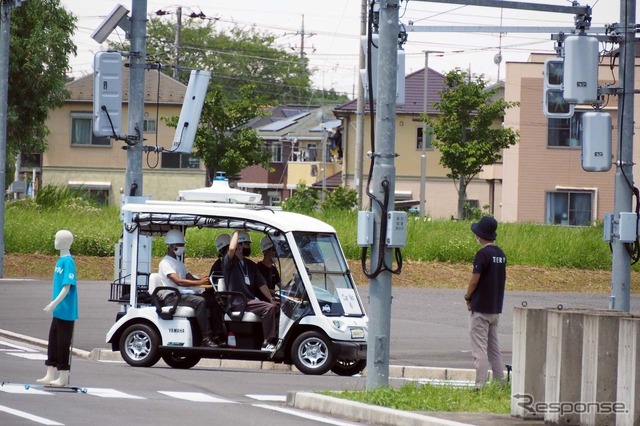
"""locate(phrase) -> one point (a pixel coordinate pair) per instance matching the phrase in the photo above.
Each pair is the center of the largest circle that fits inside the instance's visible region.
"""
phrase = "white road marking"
(272, 398)
(111, 393)
(306, 415)
(31, 356)
(31, 417)
(196, 397)
(21, 348)
(20, 388)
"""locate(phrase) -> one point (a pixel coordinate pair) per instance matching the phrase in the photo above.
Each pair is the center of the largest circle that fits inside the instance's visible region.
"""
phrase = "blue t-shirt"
(65, 274)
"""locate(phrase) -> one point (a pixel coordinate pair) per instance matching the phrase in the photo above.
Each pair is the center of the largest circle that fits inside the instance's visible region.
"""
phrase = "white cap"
(222, 241)
(266, 243)
(174, 236)
(243, 237)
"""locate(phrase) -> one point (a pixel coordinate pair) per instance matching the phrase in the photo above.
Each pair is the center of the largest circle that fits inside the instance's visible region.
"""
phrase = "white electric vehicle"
(322, 321)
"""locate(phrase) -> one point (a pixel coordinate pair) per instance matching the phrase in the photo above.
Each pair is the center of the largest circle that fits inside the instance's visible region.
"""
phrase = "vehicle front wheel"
(183, 362)
(139, 345)
(349, 367)
(313, 353)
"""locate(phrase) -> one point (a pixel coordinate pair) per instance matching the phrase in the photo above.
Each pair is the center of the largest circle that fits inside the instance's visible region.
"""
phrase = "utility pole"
(383, 186)
(357, 178)
(423, 157)
(137, 63)
(176, 68)
(623, 191)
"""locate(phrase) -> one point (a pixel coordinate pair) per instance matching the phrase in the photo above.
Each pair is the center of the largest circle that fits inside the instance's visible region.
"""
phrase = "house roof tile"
(171, 91)
(413, 94)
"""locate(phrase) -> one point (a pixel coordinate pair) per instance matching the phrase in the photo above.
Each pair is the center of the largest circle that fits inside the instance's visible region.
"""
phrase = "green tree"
(223, 141)
(304, 200)
(466, 133)
(341, 198)
(40, 45)
(236, 57)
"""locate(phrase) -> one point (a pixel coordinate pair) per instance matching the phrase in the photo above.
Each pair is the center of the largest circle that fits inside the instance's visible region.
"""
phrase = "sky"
(332, 29)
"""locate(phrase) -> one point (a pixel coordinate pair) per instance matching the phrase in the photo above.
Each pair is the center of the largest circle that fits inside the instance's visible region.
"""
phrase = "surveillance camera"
(117, 18)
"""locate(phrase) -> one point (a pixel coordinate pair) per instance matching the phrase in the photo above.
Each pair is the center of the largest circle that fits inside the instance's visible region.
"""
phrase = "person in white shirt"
(174, 274)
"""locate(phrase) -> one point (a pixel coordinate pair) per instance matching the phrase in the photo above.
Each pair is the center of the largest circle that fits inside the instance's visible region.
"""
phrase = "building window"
(565, 132)
(571, 208)
(149, 126)
(82, 131)
(275, 198)
(177, 160)
(419, 132)
(276, 152)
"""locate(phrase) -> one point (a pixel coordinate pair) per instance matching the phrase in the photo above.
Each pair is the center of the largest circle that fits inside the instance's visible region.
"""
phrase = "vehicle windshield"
(329, 273)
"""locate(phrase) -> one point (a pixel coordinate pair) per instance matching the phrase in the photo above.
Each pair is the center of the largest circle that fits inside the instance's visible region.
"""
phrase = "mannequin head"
(63, 240)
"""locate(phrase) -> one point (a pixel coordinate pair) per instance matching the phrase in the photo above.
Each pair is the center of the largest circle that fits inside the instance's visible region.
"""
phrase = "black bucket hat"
(485, 228)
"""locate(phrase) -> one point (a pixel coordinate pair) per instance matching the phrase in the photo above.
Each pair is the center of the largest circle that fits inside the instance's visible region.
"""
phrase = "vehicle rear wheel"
(313, 353)
(139, 345)
(349, 367)
(180, 361)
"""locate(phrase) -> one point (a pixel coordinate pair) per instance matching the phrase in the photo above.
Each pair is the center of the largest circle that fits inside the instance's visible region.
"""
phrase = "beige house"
(75, 157)
(440, 193)
(543, 179)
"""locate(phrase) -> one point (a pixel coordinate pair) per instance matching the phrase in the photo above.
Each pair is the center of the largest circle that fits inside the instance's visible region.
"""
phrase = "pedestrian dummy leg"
(63, 379)
(48, 378)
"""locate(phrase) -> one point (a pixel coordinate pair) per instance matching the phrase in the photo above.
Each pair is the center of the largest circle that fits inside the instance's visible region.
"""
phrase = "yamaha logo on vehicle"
(326, 308)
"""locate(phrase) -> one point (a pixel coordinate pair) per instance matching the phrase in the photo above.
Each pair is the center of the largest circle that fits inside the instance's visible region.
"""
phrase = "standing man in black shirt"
(484, 296)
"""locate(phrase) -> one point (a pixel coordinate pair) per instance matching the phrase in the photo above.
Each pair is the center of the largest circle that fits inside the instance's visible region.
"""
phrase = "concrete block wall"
(574, 359)
(529, 359)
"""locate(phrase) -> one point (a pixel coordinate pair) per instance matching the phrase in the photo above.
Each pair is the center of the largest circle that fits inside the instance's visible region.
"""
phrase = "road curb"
(360, 412)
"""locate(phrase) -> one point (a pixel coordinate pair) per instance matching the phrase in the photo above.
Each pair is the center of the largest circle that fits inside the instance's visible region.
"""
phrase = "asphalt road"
(428, 326)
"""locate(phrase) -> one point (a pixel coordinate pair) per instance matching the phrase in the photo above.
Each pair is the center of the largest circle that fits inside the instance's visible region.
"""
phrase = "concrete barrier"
(628, 386)
(528, 360)
(564, 364)
(600, 365)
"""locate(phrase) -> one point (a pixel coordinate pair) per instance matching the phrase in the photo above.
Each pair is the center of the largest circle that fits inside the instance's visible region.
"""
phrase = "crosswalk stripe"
(272, 398)
(31, 356)
(28, 416)
(196, 397)
(17, 388)
(306, 415)
(21, 348)
(111, 393)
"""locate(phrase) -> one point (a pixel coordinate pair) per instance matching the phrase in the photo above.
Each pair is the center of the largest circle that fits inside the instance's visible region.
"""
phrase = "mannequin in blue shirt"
(64, 309)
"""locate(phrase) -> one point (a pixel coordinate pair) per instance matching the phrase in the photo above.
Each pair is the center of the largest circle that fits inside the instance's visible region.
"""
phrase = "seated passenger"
(267, 268)
(241, 275)
(174, 274)
(222, 245)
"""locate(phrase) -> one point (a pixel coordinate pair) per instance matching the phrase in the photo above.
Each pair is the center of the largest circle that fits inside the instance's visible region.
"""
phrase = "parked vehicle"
(322, 321)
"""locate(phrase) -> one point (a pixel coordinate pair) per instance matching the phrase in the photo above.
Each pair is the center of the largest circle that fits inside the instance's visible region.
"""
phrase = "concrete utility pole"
(383, 173)
(177, 41)
(623, 195)
(357, 178)
(137, 61)
(423, 157)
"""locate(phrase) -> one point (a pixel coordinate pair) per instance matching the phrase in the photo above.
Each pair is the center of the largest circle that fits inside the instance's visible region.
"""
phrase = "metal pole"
(176, 68)
(324, 158)
(383, 172)
(5, 24)
(357, 174)
(423, 157)
(623, 194)
(133, 175)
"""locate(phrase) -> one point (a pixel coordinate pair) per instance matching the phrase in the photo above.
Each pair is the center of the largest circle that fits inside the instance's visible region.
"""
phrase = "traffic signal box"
(553, 102)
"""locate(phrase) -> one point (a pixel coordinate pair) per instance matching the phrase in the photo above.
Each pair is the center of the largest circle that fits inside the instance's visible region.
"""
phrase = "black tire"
(312, 353)
(183, 362)
(139, 345)
(349, 367)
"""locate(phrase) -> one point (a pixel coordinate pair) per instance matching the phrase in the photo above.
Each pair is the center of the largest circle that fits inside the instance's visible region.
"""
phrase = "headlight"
(357, 333)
